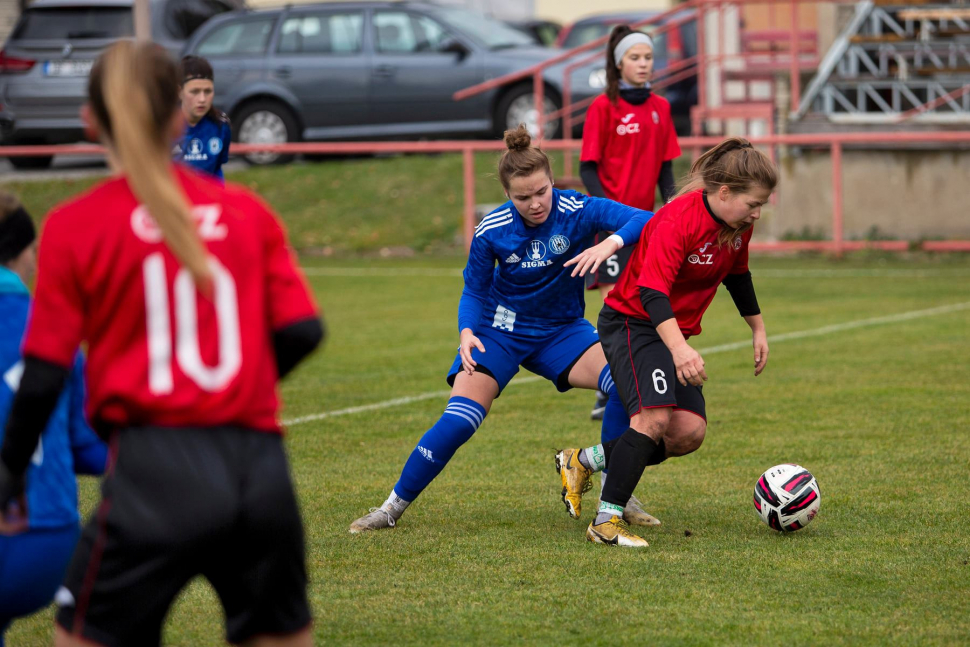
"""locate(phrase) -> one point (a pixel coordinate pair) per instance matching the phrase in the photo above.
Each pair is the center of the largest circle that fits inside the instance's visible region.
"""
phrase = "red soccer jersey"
(679, 256)
(628, 144)
(158, 352)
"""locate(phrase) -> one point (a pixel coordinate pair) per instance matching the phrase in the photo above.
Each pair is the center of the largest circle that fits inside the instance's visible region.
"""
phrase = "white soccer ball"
(787, 497)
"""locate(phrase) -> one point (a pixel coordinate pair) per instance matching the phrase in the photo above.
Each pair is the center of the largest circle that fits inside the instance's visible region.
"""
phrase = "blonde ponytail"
(133, 90)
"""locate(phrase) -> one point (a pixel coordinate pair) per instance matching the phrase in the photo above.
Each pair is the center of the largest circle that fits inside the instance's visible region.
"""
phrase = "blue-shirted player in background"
(34, 559)
(205, 144)
(522, 306)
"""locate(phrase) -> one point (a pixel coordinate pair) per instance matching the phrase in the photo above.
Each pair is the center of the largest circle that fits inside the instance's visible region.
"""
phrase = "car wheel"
(518, 107)
(266, 122)
(27, 163)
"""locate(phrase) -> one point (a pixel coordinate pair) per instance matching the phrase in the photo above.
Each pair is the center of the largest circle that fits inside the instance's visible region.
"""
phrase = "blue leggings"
(32, 566)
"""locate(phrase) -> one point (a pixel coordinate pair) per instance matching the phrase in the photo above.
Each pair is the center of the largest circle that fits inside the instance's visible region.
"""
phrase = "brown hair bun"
(518, 139)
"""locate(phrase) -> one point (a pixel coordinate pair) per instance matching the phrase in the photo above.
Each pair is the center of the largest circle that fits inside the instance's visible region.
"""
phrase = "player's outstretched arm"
(589, 260)
(40, 388)
(759, 339)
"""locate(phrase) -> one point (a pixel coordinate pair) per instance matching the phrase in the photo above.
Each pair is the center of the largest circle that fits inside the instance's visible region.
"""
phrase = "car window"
(183, 17)
(68, 23)
(237, 38)
(491, 33)
(582, 34)
(399, 32)
(325, 33)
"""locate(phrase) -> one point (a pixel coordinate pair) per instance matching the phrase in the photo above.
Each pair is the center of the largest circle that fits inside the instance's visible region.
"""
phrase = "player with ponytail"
(192, 309)
(696, 242)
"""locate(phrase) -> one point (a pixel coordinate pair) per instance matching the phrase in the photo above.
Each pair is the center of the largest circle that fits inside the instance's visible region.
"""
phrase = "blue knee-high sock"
(458, 423)
(615, 418)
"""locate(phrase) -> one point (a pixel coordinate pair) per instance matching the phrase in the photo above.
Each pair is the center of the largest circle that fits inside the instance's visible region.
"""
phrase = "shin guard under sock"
(632, 453)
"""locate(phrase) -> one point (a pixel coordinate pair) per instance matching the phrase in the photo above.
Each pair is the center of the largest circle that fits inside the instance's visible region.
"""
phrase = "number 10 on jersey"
(188, 353)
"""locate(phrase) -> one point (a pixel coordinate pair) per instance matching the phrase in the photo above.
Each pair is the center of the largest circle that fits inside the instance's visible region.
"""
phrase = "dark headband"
(195, 76)
(16, 234)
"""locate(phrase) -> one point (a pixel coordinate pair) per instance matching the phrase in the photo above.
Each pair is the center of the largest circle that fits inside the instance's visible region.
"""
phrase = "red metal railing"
(792, 56)
(834, 141)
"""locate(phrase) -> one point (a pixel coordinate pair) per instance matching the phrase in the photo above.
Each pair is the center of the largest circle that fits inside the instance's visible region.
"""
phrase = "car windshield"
(491, 33)
(68, 23)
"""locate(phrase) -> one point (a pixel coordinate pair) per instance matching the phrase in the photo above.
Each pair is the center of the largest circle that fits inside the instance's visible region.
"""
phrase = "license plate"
(67, 68)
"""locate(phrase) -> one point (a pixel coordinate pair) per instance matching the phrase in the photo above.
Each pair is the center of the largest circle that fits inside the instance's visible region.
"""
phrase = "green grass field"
(874, 401)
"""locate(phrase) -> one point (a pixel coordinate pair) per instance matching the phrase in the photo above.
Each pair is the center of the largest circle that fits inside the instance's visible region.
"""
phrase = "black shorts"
(181, 502)
(642, 367)
(609, 272)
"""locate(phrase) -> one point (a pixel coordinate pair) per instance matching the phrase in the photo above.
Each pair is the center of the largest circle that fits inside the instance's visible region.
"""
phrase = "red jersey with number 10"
(678, 255)
(159, 353)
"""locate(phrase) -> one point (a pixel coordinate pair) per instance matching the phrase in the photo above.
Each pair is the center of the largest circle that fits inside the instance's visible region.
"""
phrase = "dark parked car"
(669, 47)
(543, 32)
(371, 70)
(45, 63)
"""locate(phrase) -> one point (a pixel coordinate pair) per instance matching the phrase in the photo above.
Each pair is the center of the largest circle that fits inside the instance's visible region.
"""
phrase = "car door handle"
(283, 72)
(384, 70)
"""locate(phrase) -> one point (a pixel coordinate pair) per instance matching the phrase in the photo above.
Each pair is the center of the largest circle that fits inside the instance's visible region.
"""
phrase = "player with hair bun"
(205, 143)
(522, 305)
(192, 308)
(695, 242)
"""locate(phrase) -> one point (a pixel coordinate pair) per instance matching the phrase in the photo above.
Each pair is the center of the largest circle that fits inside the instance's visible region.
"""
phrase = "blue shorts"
(552, 356)
(32, 566)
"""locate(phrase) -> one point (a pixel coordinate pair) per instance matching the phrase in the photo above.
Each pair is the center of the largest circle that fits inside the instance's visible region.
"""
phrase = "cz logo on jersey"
(627, 127)
(700, 258)
(206, 218)
(215, 145)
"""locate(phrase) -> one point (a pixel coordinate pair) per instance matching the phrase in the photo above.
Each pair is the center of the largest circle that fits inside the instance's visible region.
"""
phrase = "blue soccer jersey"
(205, 145)
(515, 280)
(68, 445)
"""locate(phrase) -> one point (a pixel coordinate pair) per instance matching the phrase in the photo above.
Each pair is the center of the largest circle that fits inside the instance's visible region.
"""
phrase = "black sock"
(632, 453)
(658, 457)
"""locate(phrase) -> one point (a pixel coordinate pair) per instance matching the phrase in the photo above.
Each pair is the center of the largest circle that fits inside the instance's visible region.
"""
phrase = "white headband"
(628, 41)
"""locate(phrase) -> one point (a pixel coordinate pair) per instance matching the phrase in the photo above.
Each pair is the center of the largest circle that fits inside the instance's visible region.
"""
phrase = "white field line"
(379, 272)
(801, 334)
(392, 272)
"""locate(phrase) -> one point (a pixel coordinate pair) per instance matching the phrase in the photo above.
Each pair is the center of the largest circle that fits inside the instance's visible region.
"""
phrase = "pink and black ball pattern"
(787, 497)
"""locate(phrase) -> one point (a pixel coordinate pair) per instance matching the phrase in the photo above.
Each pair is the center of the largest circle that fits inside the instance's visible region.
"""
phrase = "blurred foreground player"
(34, 556)
(192, 308)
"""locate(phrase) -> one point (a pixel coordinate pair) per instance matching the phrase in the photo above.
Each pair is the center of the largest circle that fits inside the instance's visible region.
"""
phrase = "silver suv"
(45, 63)
(372, 70)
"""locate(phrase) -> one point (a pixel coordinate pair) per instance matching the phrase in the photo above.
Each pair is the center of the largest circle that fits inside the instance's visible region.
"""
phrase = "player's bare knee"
(685, 438)
(652, 422)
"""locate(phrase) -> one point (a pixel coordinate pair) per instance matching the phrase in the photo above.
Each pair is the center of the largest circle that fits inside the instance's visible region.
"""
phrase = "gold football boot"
(575, 480)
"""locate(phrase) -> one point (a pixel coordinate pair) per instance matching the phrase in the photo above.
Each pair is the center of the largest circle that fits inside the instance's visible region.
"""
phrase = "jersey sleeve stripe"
(493, 226)
(494, 216)
(564, 206)
(574, 201)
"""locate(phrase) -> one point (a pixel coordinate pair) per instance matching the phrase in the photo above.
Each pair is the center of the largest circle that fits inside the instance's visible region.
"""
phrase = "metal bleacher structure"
(882, 75)
(896, 63)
